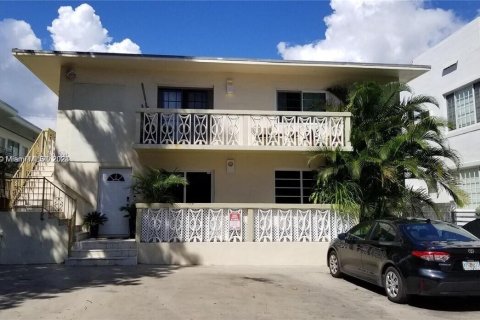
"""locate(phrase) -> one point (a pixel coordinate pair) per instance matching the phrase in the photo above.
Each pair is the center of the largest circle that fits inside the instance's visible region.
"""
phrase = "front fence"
(244, 223)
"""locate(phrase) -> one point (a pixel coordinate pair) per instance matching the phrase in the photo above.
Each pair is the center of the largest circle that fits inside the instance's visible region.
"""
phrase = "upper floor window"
(463, 106)
(185, 98)
(13, 148)
(2, 144)
(301, 101)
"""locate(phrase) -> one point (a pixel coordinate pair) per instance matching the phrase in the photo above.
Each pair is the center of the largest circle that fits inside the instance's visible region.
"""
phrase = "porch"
(237, 233)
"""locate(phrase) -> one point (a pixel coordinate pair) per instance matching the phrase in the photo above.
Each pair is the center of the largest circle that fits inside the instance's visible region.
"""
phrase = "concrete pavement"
(158, 292)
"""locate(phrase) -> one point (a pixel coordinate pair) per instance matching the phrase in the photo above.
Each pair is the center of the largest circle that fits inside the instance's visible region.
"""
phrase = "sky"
(390, 31)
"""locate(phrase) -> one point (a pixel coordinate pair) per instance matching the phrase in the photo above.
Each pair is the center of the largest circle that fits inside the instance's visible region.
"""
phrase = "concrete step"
(117, 261)
(81, 235)
(102, 244)
(104, 254)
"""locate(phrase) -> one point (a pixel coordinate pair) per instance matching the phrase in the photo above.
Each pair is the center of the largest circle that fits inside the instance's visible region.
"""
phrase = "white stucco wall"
(463, 48)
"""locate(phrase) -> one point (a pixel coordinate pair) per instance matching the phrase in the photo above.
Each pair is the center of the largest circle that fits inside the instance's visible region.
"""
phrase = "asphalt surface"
(158, 292)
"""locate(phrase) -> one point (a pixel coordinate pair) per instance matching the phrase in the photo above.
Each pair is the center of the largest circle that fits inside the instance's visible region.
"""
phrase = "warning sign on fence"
(235, 220)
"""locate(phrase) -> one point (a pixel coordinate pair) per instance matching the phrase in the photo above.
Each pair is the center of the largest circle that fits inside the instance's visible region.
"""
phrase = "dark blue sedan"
(409, 257)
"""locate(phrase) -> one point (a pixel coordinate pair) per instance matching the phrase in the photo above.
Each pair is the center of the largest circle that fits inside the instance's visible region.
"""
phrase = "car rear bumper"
(439, 283)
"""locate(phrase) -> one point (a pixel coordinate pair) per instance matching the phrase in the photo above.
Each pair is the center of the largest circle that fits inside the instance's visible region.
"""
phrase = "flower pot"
(94, 231)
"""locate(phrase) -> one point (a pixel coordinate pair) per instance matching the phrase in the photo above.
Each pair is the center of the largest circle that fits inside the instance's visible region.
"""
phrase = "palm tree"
(393, 139)
(157, 185)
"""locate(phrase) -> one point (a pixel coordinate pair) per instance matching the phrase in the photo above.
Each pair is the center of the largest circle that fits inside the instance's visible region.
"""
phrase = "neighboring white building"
(454, 80)
(16, 134)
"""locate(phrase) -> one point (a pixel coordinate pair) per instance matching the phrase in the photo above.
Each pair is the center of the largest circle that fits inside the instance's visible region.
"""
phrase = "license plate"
(471, 265)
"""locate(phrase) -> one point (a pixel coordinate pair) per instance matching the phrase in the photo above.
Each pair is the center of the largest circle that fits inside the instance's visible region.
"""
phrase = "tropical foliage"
(393, 139)
(157, 185)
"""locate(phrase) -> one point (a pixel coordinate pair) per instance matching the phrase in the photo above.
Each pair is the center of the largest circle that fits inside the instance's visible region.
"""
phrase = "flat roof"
(46, 65)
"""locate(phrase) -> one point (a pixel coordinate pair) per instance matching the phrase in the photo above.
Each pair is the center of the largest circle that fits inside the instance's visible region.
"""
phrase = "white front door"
(114, 191)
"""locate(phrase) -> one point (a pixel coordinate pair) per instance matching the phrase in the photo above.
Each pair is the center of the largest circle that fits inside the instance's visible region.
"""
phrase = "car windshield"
(437, 231)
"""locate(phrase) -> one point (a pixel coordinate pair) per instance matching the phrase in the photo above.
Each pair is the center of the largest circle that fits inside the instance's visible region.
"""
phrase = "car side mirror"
(342, 236)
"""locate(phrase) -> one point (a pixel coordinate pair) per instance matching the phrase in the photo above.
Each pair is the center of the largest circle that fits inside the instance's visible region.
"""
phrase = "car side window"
(361, 231)
(383, 232)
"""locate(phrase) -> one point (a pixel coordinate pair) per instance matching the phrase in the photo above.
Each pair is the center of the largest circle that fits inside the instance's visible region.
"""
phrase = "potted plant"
(131, 214)
(7, 169)
(93, 220)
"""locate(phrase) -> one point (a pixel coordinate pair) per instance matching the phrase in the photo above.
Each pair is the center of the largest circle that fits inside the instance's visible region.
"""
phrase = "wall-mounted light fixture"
(230, 88)
(71, 74)
(230, 166)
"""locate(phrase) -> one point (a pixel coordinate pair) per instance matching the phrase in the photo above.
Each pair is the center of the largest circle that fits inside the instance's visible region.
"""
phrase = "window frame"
(302, 92)
(184, 99)
(184, 173)
(471, 188)
(453, 107)
(302, 185)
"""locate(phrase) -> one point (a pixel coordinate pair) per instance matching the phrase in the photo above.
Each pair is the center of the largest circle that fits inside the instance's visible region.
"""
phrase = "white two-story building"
(241, 131)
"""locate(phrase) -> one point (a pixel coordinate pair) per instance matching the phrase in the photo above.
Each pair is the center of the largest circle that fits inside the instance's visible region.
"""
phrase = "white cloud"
(18, 87)
(376, 31)
(75, 29)
(80, 29)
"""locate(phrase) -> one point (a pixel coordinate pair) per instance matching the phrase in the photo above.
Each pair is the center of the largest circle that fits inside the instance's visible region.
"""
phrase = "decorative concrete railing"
(225, 222)
(246, 129)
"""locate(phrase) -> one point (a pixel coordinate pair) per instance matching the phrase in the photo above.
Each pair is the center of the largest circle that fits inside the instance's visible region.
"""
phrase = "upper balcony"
(216, 129)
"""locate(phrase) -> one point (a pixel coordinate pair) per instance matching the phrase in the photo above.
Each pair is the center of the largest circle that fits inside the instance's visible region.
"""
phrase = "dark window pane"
(314, 101)
(177, 98)
(287, 183)
(287, 174)
(289, 101)
(287, 200)
(451, 111)
(199, 187)
(287, 192)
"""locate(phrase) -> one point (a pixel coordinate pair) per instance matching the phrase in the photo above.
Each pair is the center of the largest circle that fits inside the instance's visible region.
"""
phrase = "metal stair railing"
(42, 149)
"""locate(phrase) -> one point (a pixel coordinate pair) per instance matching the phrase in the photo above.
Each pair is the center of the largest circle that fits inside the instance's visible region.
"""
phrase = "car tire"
(334, 264)
(394, 286)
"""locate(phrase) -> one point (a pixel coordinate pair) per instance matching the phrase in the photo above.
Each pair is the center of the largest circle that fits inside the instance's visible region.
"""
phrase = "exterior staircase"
(103, 252)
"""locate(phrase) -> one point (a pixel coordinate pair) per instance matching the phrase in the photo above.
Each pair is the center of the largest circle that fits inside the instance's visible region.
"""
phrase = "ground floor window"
(470, 180)
(198, 190)
(293, 186)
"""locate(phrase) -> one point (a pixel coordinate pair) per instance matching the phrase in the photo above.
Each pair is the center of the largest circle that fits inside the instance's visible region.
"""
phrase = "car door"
(375, 249)
(350, 251)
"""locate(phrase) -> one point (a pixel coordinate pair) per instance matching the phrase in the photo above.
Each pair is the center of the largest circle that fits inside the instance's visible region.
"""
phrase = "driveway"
(157, 292)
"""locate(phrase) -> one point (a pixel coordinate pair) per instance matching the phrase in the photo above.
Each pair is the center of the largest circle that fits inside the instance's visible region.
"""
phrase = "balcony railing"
(246, 129)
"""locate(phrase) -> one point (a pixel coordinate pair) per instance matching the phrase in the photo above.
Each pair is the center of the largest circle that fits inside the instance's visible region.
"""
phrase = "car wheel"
(334, 265)
(394, 286)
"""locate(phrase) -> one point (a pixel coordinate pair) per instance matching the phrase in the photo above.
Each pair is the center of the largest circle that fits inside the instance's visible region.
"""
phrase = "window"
(198, 190)
(185, 98)
(293, 186)
(24, 151)
(115, 177)
(449, 69)
(383, 232)
(470, 183)
(437, 231)
(13, 148)
(463, 106)
(2, 144)
(301, 101)
(361, 231)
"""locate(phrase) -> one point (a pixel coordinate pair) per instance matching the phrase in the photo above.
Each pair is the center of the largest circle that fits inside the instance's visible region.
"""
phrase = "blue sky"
(205, 28)
(383, 31)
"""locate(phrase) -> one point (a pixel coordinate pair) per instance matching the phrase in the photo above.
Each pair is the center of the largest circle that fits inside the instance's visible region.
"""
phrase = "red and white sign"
(235, 220)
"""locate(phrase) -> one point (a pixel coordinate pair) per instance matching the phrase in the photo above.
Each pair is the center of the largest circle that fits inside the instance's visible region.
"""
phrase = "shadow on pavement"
(454, 304)
(23, 282)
